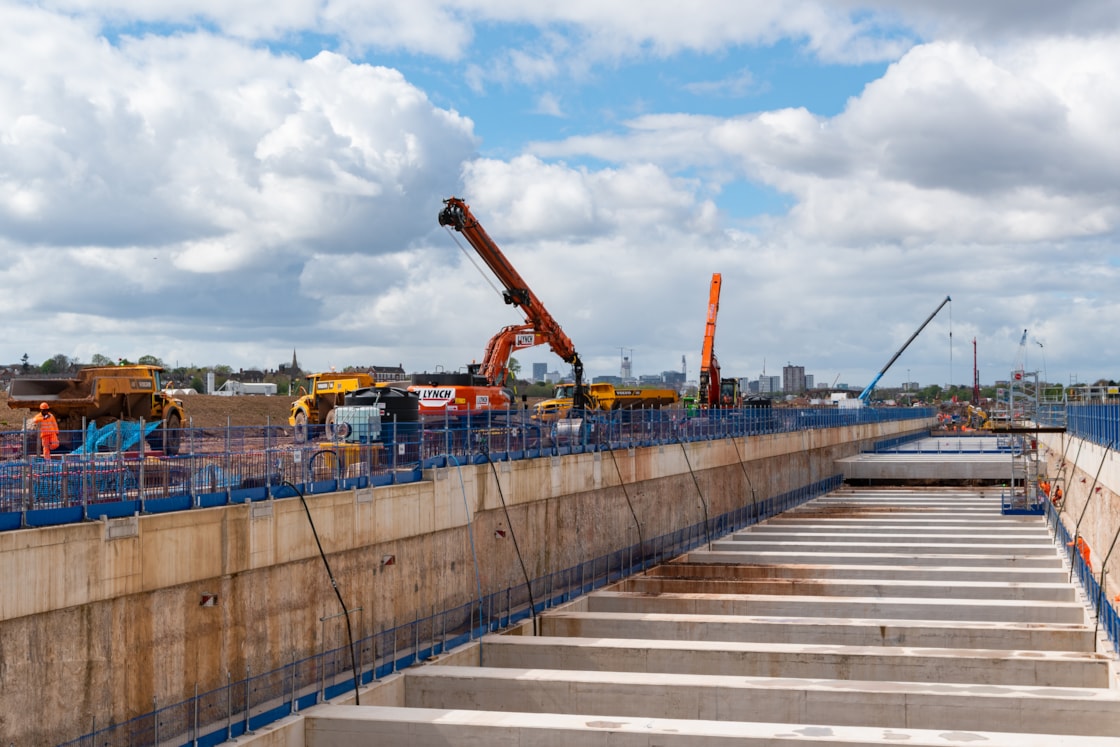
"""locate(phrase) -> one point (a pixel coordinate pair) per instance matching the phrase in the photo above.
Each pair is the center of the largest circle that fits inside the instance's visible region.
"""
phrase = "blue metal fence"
(215, 467)
(1097, 423)
(250, 702)
(1106, 614)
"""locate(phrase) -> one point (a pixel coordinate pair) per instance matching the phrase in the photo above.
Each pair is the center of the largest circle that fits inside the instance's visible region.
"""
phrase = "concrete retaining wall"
(1090, 481)
(101, 621)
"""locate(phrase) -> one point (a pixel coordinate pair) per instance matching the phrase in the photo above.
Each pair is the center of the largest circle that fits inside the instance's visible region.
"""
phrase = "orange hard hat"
(44, 406)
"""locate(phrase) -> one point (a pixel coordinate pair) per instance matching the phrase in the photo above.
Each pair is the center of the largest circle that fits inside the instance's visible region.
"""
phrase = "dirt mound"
(203, 411)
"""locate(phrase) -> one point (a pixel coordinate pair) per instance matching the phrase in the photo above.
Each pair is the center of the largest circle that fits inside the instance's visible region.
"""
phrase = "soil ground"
(203, 411)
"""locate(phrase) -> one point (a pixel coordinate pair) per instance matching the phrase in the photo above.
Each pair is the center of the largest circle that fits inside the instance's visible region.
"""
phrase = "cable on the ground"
(337, 593)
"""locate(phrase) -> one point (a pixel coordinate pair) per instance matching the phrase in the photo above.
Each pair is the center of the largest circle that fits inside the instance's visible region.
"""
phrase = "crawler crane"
(539, 327)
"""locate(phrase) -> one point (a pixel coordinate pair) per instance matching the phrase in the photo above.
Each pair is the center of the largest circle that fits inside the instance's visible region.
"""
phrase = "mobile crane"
(539, 324)
(714, 391)
(865, 395)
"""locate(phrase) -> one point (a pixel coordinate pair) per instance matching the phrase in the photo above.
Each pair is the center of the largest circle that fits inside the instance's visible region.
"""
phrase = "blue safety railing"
(1097, 423)
(216, 467)
(252, 701)
(1105, 611)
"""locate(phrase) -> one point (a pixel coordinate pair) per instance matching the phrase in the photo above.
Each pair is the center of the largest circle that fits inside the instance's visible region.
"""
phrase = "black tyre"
(171, 434)
(300, 431)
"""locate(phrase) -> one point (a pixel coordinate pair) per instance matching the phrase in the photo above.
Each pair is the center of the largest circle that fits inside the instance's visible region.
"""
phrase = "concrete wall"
(1090, 481)
(100, 621)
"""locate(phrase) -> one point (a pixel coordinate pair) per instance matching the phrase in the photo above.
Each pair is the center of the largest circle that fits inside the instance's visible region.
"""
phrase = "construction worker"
(48, 429)
(1082, 546)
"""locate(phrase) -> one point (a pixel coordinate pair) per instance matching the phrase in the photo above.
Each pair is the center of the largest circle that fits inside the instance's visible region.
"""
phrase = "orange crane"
(539, 327)
(715, 391)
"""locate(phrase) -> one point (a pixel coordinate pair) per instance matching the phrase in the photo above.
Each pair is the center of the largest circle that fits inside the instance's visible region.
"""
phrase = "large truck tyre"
(300, 429)
(171, 434)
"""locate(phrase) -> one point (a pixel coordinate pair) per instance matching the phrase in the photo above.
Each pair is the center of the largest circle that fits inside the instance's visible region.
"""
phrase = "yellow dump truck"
(103, 394)
(603, 397)
(328, 391)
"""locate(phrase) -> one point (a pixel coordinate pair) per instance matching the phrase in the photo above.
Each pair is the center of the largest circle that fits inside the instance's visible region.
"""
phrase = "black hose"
(699, 492)
(637, 524)
(749, 482)
(334, 585)
(1085, 508)
(516, 548)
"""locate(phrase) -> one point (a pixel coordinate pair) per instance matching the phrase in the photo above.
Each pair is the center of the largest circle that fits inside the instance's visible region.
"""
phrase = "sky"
(223, 183)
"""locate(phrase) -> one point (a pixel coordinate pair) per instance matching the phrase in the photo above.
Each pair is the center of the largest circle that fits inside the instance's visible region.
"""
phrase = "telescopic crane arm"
(457, 214)
(866, 393)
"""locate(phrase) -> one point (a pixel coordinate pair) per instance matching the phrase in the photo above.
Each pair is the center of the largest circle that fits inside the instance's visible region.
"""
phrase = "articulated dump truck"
(101, 395)
(603, 396)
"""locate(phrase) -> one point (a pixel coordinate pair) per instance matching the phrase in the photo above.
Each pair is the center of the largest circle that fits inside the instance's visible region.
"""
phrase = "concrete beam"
(902, 705)
(944, 590)
(821, 630)
(704, 564)
(975, 666)
(866, 608)
(345, 726)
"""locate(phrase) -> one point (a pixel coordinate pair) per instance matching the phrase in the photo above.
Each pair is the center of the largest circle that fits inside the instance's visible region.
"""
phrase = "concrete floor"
(865, 617)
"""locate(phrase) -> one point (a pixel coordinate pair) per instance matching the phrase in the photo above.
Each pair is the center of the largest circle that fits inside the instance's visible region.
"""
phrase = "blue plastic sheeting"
(122, 435)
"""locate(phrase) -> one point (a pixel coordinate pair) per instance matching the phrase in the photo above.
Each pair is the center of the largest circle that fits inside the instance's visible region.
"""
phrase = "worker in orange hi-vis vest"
(48, 429)
(1083, 547)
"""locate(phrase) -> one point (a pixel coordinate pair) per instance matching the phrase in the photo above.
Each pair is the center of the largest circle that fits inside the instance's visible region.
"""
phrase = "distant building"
(810, 382)
(673, 379)
(388, 373)
(769, 384)
(252, 376)
(612, 380)
(651, 380)
(540, 371)
(793, 379)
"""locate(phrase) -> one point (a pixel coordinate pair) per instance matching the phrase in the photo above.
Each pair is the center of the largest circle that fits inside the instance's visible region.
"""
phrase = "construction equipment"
(603, 397)
(715, 391)
(865, 395)
(103, 394)
(538, 322)
(456, 393)
(328, 391)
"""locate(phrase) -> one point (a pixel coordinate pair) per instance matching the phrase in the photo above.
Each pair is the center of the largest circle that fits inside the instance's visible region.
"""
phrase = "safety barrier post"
(140, 456)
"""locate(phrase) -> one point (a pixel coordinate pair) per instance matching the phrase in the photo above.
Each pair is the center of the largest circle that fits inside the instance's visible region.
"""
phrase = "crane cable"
(471, 258)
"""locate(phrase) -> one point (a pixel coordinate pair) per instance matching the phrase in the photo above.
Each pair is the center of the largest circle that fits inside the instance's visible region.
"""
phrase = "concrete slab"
(345, 726)
(938, 467)
(703, 564)
(752, 555)
(964, 610)
(1061, 592)
(974, 666)
(1089, 712)
(824, 630)
(928, 547)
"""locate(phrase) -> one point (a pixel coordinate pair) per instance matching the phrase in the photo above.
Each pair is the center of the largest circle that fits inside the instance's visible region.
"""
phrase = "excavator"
(540, 327)
(714, 391)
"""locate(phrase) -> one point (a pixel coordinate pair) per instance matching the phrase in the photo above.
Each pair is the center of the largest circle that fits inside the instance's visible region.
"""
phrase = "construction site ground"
(203, 411)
